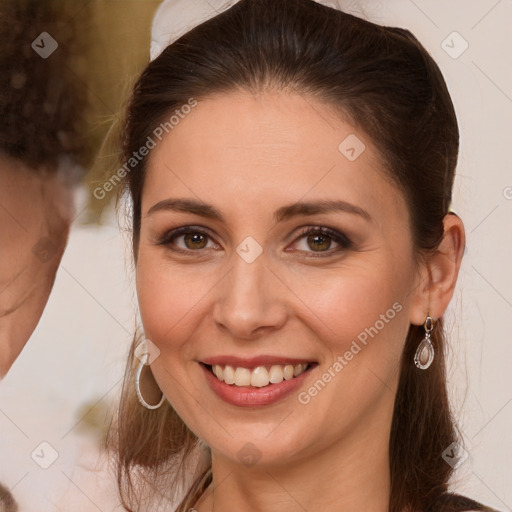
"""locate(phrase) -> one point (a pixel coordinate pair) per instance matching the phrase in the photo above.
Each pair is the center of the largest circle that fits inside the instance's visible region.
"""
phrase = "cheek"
(361, 305)
(170, 300)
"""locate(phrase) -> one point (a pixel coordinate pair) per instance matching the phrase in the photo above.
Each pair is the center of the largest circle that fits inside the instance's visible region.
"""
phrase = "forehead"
(268, 148)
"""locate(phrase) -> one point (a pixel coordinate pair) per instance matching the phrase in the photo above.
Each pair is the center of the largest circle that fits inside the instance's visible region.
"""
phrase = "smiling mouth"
(260, 376)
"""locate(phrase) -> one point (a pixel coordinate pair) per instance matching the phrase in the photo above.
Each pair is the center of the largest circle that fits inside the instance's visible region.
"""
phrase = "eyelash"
(337, 237)
(343, 241)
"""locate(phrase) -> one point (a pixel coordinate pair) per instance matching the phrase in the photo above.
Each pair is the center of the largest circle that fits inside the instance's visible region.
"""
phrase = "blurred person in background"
(42, 157)
(64, 67)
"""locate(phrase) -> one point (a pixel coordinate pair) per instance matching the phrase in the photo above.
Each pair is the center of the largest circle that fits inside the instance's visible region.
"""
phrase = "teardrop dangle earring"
(425, 352)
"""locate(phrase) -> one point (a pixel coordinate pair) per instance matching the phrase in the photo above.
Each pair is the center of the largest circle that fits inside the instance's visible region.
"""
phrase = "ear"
(438, 275)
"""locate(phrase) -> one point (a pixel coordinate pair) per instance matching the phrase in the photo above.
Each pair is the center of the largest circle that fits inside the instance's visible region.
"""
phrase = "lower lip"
(248, 396)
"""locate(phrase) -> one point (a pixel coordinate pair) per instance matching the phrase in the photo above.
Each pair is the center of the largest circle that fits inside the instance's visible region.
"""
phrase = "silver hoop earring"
(425, 352)
(138, 373)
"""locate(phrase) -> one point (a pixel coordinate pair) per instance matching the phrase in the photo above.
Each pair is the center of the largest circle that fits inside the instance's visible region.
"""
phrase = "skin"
(248, 156)
(36, 210)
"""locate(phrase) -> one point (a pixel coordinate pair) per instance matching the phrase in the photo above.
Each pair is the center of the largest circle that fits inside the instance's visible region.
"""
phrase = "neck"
(349, 476)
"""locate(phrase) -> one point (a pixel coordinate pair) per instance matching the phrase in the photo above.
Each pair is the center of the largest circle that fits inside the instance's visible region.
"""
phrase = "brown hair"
(388, 85)
(42, 102)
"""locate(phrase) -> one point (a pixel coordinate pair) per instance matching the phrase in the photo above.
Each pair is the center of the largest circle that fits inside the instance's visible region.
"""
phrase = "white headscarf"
(174, 18)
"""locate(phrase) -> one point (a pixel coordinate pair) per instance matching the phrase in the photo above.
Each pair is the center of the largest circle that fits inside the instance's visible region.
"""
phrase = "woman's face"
(271, 238)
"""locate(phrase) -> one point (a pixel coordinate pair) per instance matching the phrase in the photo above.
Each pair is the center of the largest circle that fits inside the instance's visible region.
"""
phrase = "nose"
(250, 301)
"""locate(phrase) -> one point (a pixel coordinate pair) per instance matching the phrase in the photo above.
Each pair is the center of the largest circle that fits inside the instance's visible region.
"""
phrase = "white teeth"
(242, 377)
(217, 370)
(259, 377)
(275, 375)
(229, 375)
(288, 372)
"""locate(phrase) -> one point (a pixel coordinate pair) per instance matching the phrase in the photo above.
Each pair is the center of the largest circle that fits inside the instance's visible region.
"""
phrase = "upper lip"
(253, 362)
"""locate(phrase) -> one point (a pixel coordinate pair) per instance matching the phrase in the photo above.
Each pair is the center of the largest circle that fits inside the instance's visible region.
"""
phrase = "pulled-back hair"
(385, 82)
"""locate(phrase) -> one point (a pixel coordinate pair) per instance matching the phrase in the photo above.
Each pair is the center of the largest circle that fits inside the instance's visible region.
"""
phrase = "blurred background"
(57, 398)
(66, 69)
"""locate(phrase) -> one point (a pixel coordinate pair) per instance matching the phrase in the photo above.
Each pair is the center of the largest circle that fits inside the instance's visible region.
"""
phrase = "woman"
(290, 169)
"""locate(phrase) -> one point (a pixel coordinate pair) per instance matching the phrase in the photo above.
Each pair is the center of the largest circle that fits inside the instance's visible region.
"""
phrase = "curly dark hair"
(7, 503)
(41, 99)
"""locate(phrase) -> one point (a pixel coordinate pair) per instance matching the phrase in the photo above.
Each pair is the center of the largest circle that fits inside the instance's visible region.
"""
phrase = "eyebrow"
(284, 213)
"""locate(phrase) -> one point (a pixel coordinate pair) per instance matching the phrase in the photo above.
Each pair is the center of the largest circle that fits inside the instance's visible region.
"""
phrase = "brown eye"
(195, 241)
(319, 242)
(188, 239)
